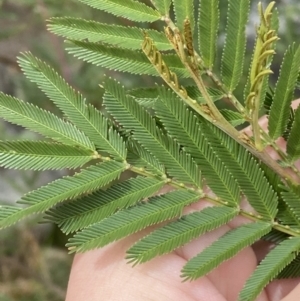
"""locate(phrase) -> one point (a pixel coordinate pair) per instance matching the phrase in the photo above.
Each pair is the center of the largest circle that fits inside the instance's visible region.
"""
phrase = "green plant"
(172, 136)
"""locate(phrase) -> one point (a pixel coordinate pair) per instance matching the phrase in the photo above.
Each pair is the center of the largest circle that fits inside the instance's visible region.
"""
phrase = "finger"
(284, 290)
(229, 278)
(105, 274)
(293, 295)
(261, 249)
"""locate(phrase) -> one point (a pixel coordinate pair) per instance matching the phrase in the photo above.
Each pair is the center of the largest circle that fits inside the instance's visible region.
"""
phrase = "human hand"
(104, 274)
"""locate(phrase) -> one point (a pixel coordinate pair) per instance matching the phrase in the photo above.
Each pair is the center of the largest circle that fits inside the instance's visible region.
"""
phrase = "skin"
(105, 275)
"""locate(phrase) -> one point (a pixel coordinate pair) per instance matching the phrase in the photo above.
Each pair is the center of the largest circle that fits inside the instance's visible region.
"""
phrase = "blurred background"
(34, 264)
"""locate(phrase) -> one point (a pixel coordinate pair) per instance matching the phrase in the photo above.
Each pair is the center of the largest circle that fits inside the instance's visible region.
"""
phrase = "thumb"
(294, 295)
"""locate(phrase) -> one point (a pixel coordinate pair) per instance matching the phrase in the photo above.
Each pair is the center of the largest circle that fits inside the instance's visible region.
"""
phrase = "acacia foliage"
(170, 134)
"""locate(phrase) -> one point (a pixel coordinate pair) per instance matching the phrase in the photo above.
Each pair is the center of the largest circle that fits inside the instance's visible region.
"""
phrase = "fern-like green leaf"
(40, 121)
(268, 100)
(290, 213)
(38, 155)
(184, 10)
(124, 60)
(178, 233)
(223, 249)
(275, 236)
(246, 170)
(183, 125)
(134, 118)
(121, 36)
(148, 96)
(273, 178)
(292, 270)
(194, 93)
(284, 92)
(276, 260)
(144, 93)
(93, 208)
(267, 106)
(131, 220)
(147, 103)
(289, 126)
(8, 211)
(235, 43)
(141, 158)
(235, 118)
(286, 215)
(293, 142)
(86, 117)
(209, 16)
(129, 9)
(163, 6)
(44, 198)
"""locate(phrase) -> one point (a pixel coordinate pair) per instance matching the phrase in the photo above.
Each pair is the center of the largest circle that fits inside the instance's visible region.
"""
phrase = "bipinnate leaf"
(235, 43)
(38, 155)
(93, 208)
(129, 9)
(208, 23)
(194, 93)
(246, 171)
(121, 36)
(147, 103)
(235, 118)
(275, 261)
(8, 211)
(290, 209)
(223, 249)
(148, 96)
(267, 106)
(284, 92)
(180, 232)
(42, 199)
(275, 236)
(289, 126)
(292, 270)
(293, 142)
(137, 120)
(155, 135)
(286, 215)
(144, 93)
(163, 6)
(85, 117)
(141, 158)
(182, 124)
(40, 121)
(184, 10)
(124, 60)
(128, 221)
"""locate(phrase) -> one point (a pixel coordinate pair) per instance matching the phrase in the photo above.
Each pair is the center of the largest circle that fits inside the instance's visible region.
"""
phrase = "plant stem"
(168, 181)
(281, 153)
(215, 201)
(255, 124)
(220, 85)
(214, 115)
(225, 126)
